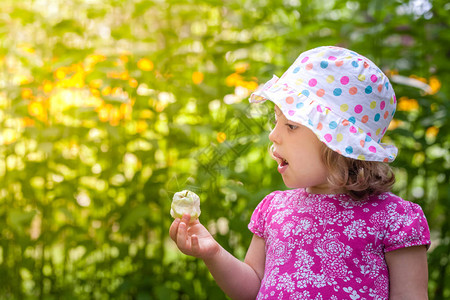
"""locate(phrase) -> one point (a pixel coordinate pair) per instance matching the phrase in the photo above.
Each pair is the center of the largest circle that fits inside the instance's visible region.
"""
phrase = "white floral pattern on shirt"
(330, 246)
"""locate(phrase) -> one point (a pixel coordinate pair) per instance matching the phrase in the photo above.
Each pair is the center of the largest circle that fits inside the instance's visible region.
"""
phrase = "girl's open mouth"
(283, 164)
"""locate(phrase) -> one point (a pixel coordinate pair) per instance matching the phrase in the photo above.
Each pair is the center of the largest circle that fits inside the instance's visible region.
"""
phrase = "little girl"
(337, 233)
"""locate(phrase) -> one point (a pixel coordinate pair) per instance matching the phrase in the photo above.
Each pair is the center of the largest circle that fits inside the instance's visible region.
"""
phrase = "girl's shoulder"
(396, 213)
(386, 199)
(284, 196)
(389, 200)
(404, 222)
(280, 198)
(386, 205)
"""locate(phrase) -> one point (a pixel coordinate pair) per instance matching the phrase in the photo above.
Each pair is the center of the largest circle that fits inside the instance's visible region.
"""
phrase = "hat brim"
(335, 131)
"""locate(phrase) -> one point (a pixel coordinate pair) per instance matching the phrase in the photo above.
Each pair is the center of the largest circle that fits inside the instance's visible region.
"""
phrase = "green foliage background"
(109, 107)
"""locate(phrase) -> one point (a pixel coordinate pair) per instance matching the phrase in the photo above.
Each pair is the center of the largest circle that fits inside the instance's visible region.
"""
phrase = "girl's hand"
(193, 238)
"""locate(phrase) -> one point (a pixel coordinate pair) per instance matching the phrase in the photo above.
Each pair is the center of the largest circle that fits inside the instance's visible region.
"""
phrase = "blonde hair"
(357, 178)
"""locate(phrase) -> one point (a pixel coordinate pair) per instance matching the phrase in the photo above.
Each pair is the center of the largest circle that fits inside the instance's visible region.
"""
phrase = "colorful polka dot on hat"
(342, 96)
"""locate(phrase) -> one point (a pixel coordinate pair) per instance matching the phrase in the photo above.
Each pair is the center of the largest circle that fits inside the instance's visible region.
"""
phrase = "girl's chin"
(291, 185)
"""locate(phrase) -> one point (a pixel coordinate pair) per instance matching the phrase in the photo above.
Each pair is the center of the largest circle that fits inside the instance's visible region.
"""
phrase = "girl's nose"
(274, 136)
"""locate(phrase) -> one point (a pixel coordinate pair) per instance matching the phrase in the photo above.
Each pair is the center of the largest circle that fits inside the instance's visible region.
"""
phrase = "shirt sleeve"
(407, 226)
(258, 220)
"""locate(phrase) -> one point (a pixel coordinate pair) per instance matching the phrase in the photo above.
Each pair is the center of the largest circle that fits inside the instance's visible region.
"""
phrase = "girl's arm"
(408, 273)
(239, 280)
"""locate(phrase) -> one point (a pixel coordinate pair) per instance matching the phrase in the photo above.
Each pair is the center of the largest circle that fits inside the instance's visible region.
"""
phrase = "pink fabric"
(330, 246)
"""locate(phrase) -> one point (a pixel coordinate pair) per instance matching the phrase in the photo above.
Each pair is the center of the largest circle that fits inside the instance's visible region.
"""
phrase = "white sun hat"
(342, 96)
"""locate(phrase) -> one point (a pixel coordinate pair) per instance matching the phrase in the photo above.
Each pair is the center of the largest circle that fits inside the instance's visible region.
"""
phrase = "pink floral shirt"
(330, 246)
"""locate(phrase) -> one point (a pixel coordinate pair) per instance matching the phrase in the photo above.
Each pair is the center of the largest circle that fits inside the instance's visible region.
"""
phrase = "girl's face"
(297, 151)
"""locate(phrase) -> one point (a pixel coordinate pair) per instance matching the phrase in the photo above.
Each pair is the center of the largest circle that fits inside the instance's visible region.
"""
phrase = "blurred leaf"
(133, 216)
(20, 219)
(26, 16)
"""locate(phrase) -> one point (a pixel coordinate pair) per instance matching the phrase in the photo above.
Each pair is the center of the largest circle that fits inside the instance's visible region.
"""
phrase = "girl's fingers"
(182, 237)
(186, 218)
(174, 229)
(179, 233)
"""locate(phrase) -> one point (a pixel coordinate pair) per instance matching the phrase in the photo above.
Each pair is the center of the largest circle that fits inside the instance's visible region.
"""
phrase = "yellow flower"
(233, 79)
(422, 79)
(435, 85)
(221, 137)
(241, 67)
(27, 122)
(114, 74)
(159, 106)
(22, 79)
(125, 111)
(26, 93)
(133, 82)
(77, 80)
(92, 59)
(394, 124)
(95, 58)
(141, 126)
(407, 104)
(146, 114)
(96, 83)
(114, 116)
(118, 75)
(432, 132)
(26, 48)
(123, 58)
(36, 109)
(106, 91)
(197, 77)
(145, 64)
(118, 92)
(60, 73)
(251, 85)
(124, 75)
(103, 114)
(47, 86)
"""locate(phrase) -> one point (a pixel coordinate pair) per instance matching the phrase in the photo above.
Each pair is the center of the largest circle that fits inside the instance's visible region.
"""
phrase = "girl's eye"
(292, 127)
